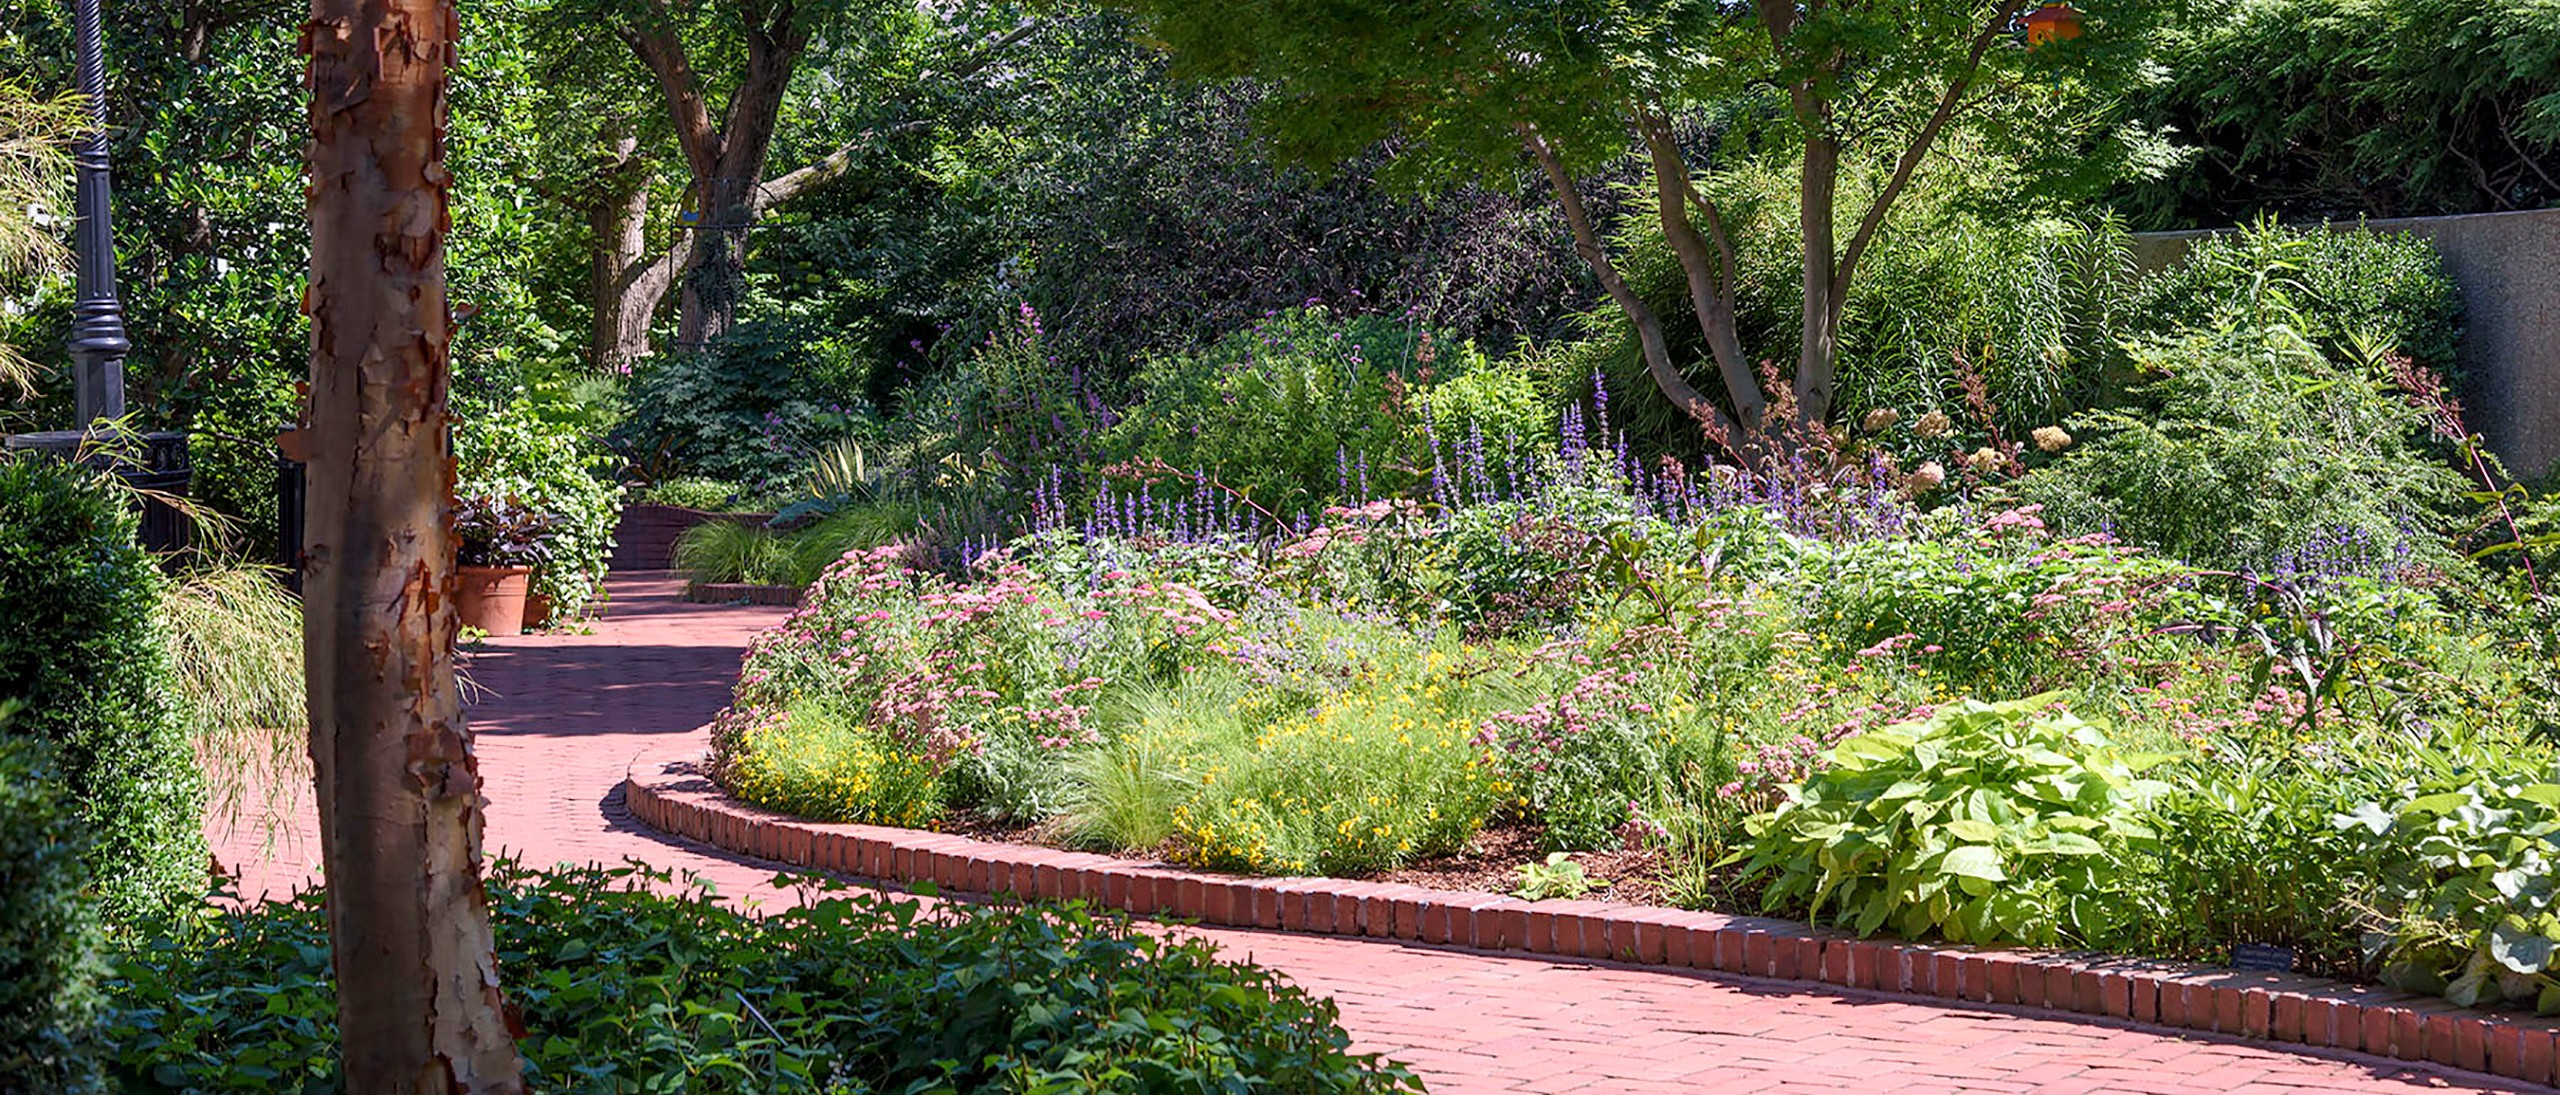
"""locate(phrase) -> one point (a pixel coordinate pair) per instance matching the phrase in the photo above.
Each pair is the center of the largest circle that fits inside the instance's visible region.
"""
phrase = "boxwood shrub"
(628, 981)
(82, 650)
(48, 932)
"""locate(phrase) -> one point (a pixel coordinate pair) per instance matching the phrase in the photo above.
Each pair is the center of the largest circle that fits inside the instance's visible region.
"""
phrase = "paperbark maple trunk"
(419, 1007)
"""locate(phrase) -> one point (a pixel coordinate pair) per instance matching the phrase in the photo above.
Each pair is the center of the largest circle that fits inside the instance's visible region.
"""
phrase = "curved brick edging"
(667, 792)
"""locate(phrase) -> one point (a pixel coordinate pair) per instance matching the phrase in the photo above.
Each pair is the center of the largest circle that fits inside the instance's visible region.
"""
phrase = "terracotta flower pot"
(537, 608)
(492, 598)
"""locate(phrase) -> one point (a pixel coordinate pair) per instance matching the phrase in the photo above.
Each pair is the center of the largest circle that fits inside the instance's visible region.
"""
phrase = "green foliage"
(1122, 795)
(2249, 445)
(1559, 877)
(692, 492)
(817, 761)
(49, 1004)
(2472, 867)
(741, 409)
(1281, 411)
(1368, 779)
(2347, 108)
(2030, 307)
(2341, 290)
(734, 551)
(1999, 616)
(85, 652)
(35, 163)
(2247, 853)
(510, 451)
(628, 982)
(1987, 823)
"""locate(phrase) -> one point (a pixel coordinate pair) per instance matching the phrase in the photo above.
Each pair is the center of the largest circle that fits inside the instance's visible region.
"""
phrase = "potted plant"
(502, 540)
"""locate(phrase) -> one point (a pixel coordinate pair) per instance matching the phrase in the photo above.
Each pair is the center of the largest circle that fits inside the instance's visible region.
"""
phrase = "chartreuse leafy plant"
(2473, 858)
(1986, 823)
(629, 982)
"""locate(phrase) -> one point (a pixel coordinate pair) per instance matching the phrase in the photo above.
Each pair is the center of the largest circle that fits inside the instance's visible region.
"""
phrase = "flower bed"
(1775, 694)
(665, 792)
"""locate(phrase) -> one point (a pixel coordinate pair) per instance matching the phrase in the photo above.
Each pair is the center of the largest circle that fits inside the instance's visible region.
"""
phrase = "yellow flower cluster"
(818, 768)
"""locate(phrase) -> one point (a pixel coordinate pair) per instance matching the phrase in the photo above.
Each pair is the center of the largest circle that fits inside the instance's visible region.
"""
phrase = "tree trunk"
(1649, 337)
(1710, 295)
(623, 282)
(419, 1008)
(1817, 357)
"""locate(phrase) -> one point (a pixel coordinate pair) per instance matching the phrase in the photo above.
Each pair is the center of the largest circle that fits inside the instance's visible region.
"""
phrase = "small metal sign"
(2259, 956)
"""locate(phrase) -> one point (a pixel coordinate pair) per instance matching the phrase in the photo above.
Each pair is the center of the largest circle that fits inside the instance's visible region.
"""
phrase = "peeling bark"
(419, 1006)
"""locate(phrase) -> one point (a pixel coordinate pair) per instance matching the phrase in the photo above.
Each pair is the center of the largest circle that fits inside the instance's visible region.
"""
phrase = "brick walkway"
(559, 718)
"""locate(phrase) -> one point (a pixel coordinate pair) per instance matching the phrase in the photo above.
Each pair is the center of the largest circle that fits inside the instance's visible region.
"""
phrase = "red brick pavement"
(559, 719)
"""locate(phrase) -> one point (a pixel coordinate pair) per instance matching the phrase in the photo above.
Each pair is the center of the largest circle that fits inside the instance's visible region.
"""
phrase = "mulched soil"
(1490, 864)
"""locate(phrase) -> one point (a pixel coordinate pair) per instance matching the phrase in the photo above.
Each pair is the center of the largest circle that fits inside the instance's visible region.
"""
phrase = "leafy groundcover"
(630, 981)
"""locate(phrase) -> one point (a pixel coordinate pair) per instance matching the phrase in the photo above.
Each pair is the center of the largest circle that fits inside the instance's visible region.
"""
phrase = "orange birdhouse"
(2052, 23)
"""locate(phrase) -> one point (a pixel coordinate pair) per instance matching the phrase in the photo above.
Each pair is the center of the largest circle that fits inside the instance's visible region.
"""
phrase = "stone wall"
(2508, 265)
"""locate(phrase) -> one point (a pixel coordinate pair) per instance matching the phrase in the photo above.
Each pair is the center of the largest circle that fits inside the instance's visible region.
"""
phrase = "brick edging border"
(666, 791)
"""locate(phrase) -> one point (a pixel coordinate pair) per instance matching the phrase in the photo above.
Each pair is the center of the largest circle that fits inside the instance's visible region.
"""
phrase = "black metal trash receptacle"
(158, 466)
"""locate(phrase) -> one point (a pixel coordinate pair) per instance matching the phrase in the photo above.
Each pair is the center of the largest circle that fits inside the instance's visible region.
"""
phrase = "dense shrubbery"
(48, 932)
(744, 409)
(2347, 108)
(86, 652)
(623, 987)
(510, 453)
(2257, 448)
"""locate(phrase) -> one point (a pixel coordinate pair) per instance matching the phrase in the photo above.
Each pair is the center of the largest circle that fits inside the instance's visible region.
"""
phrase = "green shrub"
(816, 762)
(49, 1005)
(2333, 287)
(1987, 823)
(1292, 410)
(83, 650)
(512, 452)
(2251, 446)
(692, 492)
(624, 987)
(2031, 307)
(2472, 873)
(2382, 108)
(741, 409)
(1997, 616)
(2249, 853)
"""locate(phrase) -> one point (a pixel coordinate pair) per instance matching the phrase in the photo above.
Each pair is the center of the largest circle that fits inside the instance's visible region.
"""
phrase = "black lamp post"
(98, 343)
(156, 462)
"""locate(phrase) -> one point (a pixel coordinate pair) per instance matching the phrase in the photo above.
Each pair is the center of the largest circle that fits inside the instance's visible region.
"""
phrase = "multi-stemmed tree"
(1855, 98)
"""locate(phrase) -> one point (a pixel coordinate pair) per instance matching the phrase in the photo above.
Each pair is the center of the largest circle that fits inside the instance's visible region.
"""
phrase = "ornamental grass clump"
(1385, 771)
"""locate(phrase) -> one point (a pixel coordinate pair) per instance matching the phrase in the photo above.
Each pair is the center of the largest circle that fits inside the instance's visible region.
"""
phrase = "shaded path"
(560, 717)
